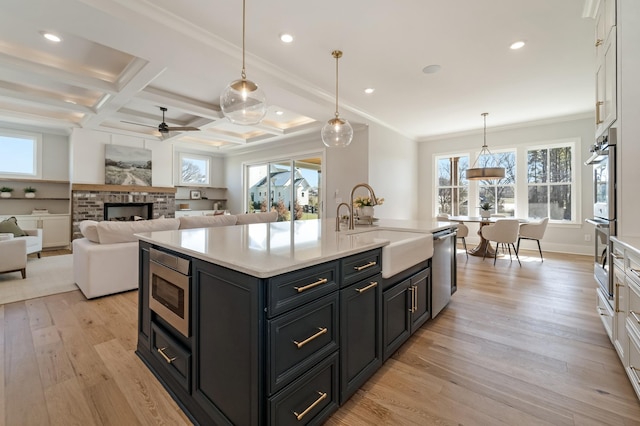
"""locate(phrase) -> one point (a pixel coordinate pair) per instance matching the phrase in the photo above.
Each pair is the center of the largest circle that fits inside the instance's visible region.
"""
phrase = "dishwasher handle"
(443, 236)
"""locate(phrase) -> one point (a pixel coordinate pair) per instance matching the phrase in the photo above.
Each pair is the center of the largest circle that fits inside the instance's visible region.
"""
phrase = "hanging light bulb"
(485, 173)
(242, 101)
(337, 132)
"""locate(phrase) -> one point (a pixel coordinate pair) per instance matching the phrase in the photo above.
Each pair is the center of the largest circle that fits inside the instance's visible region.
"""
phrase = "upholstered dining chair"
(533, 231)
(503, 231)
(462, 233)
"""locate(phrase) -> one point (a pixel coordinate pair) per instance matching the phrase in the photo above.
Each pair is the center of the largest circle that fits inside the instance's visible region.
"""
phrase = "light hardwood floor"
(516, 346)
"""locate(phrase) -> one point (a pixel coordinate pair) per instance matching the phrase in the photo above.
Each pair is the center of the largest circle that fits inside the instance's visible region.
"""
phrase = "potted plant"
(29, 192)
(365, 205)
(485, 210)
(5, 192)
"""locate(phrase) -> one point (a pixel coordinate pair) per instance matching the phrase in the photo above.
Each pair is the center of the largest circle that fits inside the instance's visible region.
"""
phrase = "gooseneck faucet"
(374, 201)
(338, 214)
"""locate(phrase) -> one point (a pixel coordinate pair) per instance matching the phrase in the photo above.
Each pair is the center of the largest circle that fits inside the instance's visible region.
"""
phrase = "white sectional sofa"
(105, 261)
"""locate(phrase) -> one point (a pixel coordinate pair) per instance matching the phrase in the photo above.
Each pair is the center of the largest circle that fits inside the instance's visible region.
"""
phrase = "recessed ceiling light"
(517, 45)
(279, 112)
(286, 38)
(431, 69)
(51, 37)
(369, 90)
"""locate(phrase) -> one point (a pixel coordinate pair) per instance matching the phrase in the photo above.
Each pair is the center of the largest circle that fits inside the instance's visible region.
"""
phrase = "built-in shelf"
(36, 199)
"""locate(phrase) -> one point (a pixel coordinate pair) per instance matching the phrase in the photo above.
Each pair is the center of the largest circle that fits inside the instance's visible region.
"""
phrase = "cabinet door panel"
(396, 327)
(56, 231)
(360, 337)
(422, 299)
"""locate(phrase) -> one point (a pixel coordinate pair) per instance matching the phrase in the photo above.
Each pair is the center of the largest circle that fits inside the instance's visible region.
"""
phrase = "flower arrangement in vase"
(29, 192)
(485, 210)
(5, 192)
(365, 205)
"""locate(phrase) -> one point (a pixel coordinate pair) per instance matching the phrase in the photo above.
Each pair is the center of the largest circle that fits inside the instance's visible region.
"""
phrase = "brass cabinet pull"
(368, 265)
(415, 302)
(602, 314)
(323, 396)
(166, 358)
(635, 316)
(322, 331)
(617, 256)
(635, 271)
(371, 285)
(598, 105)
(599, 42)
(413, 290)
(312, 285)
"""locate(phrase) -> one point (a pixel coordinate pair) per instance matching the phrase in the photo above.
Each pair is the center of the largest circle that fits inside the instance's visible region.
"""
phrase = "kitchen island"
(275, 323)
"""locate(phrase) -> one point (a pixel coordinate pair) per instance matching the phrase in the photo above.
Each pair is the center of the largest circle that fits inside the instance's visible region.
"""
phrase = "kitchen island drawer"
(633, 319)
(300, 339)
(172, 355)
(291, 290)
(310, 399)
(633, 370)
(360, 266)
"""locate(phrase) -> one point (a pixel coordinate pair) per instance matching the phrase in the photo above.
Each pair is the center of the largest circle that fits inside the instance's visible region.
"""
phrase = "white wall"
(393, 173)
(562, 238)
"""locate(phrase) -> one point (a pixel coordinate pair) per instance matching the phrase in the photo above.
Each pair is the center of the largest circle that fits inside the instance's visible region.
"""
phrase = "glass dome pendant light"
(485, 173)
(337, 132)
(242, 101)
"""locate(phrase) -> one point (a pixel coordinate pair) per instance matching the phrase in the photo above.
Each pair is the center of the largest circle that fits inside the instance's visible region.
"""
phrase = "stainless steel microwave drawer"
(293, 289)
(309, 400)
(299, 339)
(172, 355)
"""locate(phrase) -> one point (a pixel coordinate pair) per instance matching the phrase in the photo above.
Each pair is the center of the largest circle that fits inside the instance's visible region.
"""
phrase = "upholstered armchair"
(533, 231)
(503, 231)
(13, 256)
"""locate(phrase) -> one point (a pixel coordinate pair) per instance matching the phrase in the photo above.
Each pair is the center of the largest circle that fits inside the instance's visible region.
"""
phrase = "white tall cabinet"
(606, 58)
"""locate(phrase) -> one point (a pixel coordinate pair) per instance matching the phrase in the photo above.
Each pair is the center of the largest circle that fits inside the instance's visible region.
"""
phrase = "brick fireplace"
(88, 201)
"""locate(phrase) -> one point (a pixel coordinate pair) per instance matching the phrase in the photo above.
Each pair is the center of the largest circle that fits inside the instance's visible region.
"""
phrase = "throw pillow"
(89, 230)
(11, 226)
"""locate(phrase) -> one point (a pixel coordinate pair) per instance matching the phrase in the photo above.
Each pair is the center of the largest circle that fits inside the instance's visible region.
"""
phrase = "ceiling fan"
(164, 127)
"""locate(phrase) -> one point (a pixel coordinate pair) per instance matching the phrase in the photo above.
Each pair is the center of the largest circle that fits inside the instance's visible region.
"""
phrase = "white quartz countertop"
(631, 243)
(268, 249)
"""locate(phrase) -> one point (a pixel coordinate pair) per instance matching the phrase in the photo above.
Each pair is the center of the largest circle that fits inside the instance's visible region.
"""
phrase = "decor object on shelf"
(195, 194)
(485, 172)
(337, 132)
(125, 165)
(242, 101)
(485, 210)
(29, 192)
(5, 192)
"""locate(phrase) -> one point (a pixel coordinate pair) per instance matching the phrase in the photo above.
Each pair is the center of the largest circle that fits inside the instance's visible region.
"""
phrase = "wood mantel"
(121, 188)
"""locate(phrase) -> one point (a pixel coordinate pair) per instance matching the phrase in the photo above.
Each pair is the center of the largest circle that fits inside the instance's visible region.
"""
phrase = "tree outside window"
(500, 193)
(550, 180)
(194, 169)
(453, 188)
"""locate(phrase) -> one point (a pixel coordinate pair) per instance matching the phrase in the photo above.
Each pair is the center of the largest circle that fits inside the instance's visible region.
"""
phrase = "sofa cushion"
(261, 217)
(190, 222)
(89, 230)
(11, 226)
(112, 232)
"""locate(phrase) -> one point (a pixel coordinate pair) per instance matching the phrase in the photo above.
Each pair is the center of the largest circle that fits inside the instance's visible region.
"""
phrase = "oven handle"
(598, 224)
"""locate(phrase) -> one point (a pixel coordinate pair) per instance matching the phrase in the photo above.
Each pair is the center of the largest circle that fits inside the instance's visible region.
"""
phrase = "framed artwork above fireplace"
(124, 165)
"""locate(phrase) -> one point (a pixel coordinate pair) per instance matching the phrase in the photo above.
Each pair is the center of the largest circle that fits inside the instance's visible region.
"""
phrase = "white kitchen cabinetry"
(56, 228)
(606, 45)
(621, 295)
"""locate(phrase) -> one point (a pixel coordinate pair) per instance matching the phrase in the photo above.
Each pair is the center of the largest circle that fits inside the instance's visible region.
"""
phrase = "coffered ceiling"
(120, 60)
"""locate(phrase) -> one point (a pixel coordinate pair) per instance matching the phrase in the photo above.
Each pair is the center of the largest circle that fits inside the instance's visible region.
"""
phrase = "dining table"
(484, 247)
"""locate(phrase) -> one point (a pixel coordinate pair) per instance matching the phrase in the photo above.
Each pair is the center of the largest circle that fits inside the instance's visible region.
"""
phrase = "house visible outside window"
(453, 189)
(21, 153)
(195, 169)
(550, 182)
(501, 193)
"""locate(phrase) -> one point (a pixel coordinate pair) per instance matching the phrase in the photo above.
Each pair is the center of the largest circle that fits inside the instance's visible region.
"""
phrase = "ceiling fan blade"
(183, 129)
(138, 124)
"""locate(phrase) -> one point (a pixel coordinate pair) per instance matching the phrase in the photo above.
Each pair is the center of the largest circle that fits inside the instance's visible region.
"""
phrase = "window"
(20, 154)
(194, 169)
(500, 194)
(453, 188)
(550, 180)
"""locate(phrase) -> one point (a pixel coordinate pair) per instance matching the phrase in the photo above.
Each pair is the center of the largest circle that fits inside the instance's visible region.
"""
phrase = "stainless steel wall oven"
(169, 288)
(603, 162)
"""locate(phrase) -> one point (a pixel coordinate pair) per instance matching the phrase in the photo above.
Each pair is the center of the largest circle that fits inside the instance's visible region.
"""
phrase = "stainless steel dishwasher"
(443, 269)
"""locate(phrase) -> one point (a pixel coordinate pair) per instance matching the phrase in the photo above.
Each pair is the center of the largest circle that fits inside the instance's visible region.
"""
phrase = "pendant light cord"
(244, 74)
(337, 54)
(485, 148)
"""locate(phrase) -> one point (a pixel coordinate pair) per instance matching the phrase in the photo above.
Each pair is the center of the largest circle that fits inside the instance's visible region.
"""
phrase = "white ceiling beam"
(182, 103)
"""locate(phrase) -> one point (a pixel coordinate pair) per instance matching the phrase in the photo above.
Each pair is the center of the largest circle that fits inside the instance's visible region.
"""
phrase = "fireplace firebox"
(128, 211)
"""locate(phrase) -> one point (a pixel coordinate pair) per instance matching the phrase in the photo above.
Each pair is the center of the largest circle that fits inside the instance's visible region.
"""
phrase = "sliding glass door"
(291, 187)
